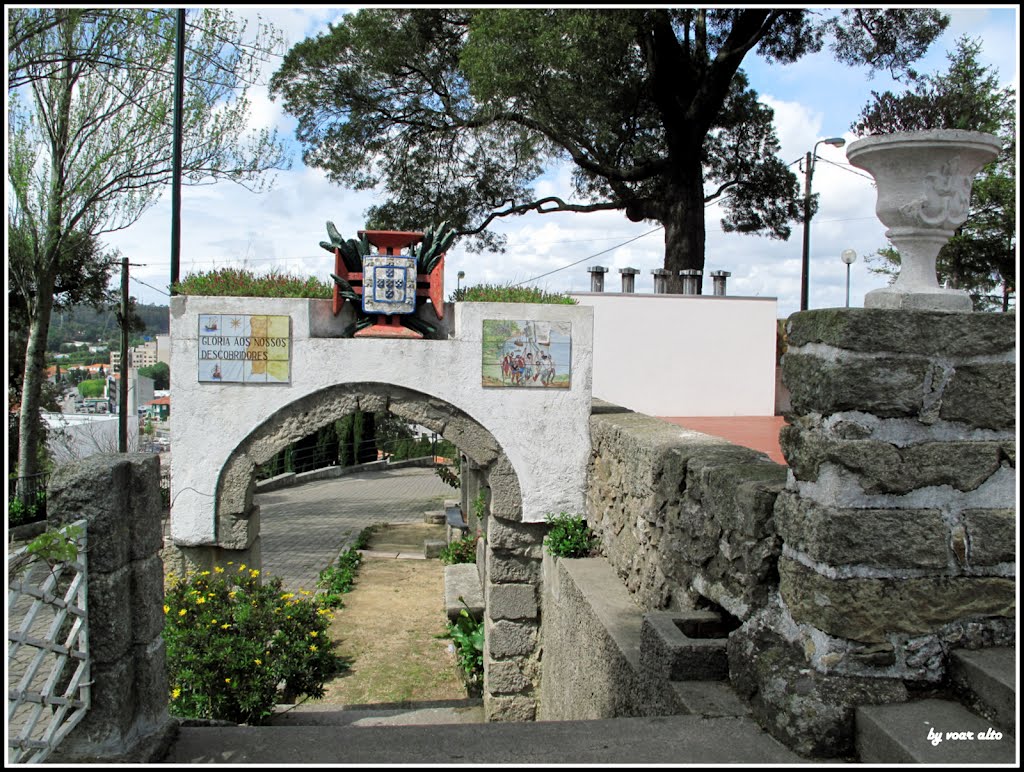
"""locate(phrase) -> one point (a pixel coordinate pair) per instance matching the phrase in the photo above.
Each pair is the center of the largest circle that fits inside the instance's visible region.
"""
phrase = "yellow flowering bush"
(235, 644)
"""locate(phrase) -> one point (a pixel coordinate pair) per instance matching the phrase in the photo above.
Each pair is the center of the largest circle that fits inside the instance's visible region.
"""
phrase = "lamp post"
(848, 256)
(808, 173)
(458, 279)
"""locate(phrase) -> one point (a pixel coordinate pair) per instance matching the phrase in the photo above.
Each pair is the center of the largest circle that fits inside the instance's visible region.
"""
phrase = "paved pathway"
(303, 529)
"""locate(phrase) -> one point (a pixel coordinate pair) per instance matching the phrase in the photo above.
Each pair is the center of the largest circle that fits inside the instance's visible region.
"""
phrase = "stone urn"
(924, 183)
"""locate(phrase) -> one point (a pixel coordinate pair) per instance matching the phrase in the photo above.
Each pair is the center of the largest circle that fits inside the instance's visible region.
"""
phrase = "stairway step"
(986, 679)
(709, 698)
(666, 740)
(468, 711)
(900, 734)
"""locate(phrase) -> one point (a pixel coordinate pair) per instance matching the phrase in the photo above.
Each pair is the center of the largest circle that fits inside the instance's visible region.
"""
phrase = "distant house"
(159, 409)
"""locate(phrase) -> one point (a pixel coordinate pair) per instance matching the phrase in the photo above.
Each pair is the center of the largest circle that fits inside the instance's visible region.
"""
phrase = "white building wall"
(75, 436)
(684, 355)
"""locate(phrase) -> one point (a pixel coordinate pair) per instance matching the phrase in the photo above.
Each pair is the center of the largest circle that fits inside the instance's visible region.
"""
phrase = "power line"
(139, 281)
(589, 257)
(846, 167)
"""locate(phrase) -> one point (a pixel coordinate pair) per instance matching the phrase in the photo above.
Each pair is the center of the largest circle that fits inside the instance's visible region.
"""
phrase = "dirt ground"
(389, 625)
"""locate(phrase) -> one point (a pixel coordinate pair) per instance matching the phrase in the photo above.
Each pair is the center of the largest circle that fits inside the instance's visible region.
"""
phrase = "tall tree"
(82, 277)
(455, 113)
(981, 256)
(90, 136)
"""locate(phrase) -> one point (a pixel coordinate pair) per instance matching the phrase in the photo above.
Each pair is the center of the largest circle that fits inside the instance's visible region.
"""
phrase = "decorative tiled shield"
(389, 284)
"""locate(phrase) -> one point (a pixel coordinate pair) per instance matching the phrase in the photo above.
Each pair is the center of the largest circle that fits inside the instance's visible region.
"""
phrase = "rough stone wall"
(898, 518)
(681, 514)
(118, 494)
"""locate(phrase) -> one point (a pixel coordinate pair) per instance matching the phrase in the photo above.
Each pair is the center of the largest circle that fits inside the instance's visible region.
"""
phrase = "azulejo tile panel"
(244, 348)
(526, 354)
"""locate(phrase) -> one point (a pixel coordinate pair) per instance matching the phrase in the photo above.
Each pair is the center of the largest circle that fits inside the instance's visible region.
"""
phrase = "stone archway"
(237, 517)
(511, 565)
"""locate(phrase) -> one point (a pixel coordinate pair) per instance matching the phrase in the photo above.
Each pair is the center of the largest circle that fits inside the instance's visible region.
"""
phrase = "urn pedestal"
(924, 183)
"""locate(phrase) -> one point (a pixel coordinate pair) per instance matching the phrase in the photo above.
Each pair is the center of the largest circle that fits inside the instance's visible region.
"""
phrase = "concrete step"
(986, 681)
(708, 698)
(663, 740)
(468, 711)
(905, 733)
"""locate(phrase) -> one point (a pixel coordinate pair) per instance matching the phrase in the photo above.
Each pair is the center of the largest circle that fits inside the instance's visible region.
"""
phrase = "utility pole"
(179, 97)
(122, 402)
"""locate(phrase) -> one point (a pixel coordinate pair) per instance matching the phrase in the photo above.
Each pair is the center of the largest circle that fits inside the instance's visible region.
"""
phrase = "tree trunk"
(41, 307)
(684, 227)
(367, 450)
(30, 435)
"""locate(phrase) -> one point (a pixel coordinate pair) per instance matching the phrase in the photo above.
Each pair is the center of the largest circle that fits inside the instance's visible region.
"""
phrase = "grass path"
(388, 630)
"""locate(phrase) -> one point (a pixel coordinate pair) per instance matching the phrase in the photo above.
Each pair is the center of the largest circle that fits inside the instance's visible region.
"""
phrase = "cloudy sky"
(225, 225)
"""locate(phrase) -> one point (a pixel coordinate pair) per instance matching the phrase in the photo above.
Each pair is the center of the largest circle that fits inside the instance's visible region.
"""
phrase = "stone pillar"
(119, 496)
(898, 522)
(691, 281)
(660, 280)
(512, 620)
(629, 279)
(597, 273)
(511, 580)
(719, 277)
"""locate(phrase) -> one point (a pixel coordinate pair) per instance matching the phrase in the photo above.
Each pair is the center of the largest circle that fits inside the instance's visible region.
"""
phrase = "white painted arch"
(218, 430)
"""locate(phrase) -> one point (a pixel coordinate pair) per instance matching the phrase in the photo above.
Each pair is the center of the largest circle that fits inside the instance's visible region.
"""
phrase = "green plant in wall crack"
(569, 536)
(467, 635)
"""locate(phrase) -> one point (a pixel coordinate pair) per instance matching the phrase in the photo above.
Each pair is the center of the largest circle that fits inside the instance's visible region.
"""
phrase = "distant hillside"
(87, 325)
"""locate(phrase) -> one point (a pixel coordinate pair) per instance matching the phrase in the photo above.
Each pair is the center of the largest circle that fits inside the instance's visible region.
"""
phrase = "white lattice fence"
(48, 650)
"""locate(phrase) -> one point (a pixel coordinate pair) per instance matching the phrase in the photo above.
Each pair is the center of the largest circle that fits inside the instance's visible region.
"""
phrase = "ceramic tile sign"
(242, 348)
(389, 284)
(527, 354)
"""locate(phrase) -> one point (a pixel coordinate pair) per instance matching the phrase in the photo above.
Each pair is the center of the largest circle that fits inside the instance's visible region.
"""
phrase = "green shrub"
(507, 293)
(467, 634)
(569, 537)
(92, 388)
(233, 642)
(238, 282)
(31, 510)
(460, 551)
(337, 579)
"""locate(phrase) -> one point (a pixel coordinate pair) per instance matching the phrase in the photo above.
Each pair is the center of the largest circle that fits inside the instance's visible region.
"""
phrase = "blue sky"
(815, 98)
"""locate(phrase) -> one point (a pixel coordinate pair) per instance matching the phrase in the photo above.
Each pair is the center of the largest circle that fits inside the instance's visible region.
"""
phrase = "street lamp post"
(458, 280)
(808, 173)
(848, 256)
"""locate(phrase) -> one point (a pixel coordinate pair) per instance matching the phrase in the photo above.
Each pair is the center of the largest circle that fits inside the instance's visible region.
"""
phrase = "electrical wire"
(590, 257)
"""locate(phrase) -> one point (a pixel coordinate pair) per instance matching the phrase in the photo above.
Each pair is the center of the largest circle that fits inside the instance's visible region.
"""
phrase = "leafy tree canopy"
(160, 373)
(453, 113)
(981, 256)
